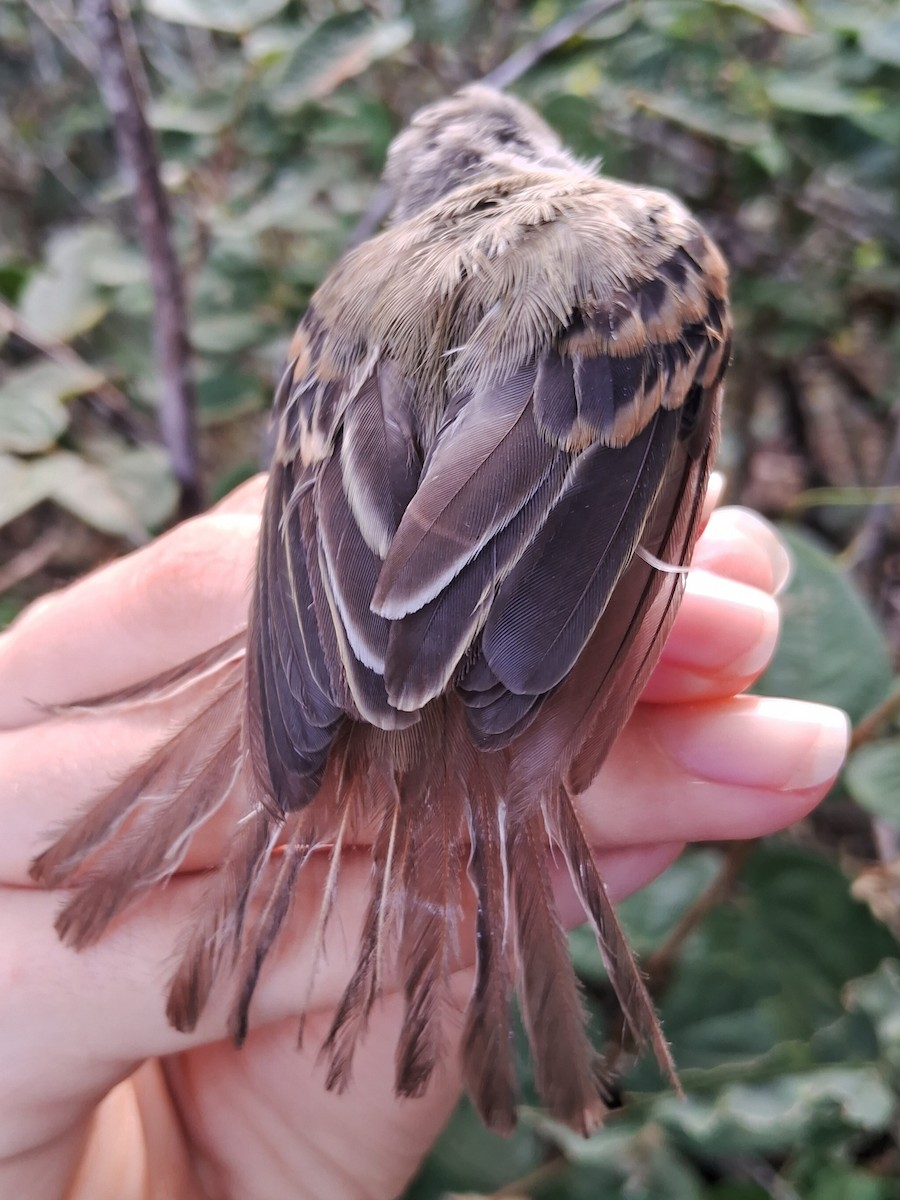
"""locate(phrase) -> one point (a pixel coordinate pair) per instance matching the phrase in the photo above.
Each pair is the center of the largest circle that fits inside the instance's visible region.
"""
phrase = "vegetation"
(777, 968)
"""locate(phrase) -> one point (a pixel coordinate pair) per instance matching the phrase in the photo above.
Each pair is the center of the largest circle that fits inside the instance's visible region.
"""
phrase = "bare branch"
(138, 155)
(529, 55)
(502, 76)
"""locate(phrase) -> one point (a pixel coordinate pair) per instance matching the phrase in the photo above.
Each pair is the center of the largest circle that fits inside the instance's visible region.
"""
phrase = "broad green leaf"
(32, 412)
(707, 119)
(225, 16)
(831, 649)
(60, 301)
(780, 14)
(758, 971)
(88, 492)
(878, 996)
(770, 1118)
(338, 49)
(873, 778)
(143, 477)
(22, 486)
(821, 96)
(881, 40)
(227, 333)
(191, 113)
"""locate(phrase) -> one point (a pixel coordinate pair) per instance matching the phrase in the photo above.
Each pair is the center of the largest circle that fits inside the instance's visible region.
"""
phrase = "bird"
(493, 437)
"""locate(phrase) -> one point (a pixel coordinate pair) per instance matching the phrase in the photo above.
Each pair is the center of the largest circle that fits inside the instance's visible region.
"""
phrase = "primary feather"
(497, 415)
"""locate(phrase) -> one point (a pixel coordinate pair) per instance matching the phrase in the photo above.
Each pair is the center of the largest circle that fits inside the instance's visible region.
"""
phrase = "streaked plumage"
(496, 416)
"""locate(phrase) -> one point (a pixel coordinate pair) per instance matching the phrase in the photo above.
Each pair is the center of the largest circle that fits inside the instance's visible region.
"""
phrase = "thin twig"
(659, 965)
(137, 153)
(871, 724)
(869, 543)
(30, 560)
(560, 32)
(500, 77)
(67, 33)
(107, 394)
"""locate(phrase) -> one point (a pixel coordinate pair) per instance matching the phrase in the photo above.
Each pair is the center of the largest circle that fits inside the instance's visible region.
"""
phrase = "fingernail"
(727, 626)
(758, 742)
(740, 533)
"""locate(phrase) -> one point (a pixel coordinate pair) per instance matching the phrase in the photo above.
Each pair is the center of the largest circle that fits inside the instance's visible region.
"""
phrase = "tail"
(136, 835)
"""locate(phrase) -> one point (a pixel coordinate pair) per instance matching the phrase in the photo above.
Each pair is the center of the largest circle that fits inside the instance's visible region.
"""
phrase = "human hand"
(192, 1117)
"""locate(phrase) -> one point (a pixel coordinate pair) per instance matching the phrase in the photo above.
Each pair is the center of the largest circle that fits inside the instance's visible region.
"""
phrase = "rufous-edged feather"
(169, 770)
(488, 1054)
(567, 1068)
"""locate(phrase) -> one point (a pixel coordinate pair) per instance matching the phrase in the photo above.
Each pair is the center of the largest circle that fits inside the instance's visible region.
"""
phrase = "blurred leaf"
(32, 412)
(872, 777)
(780, 14)
(204, 114)
(328, 54)
(831, 650)
(143, 477)
(881, 39)
(758, 972)
(59, 301)
(820, 96)
(225, 16)
(21, 487)
(227, 333)
(878, 996)
(707, 119)
(770, 1118)
(89, 493)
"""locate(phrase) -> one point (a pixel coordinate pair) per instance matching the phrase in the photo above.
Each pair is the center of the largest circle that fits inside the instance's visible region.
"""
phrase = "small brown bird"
(493, 440)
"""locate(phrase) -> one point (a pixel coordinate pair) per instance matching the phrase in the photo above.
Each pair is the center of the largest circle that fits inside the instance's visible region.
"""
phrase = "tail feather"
(487, 1052)
(433, 814)
(169, 685)
(223, 909)
(148, 851)
(567, 1069)
(352, 1015)
(624, 973)
(169, 771)
(300, 844)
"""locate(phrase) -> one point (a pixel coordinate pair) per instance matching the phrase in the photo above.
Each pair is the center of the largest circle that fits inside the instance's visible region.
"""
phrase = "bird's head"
(474, 134)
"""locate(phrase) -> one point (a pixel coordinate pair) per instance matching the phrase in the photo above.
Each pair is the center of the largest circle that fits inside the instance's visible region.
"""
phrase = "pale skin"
(99, 1098)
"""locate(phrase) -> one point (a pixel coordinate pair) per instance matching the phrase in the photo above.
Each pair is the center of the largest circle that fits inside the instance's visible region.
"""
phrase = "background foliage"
(776, 967)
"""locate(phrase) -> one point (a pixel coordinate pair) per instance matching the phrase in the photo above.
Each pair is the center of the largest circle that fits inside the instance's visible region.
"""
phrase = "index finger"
(141, 615)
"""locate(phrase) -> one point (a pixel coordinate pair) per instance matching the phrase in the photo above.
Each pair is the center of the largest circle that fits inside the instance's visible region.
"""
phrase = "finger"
(142, 615)
(739, 768)
(739, 544)
(246, 499)
(722, 640)
(113, 1015)
(715, 490)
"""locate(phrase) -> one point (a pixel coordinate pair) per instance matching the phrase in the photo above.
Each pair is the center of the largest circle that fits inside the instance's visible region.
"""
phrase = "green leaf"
(143, 477)
(758, 972)
(820, 96)
(225, 16)
(780, 14)
(881, 40)
(878, 996)
(88, 492)
(22, 486)
(770, 1118)
(60, 301)
(873, 778)
(831, 650)
(32, 412)
(339, 48)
